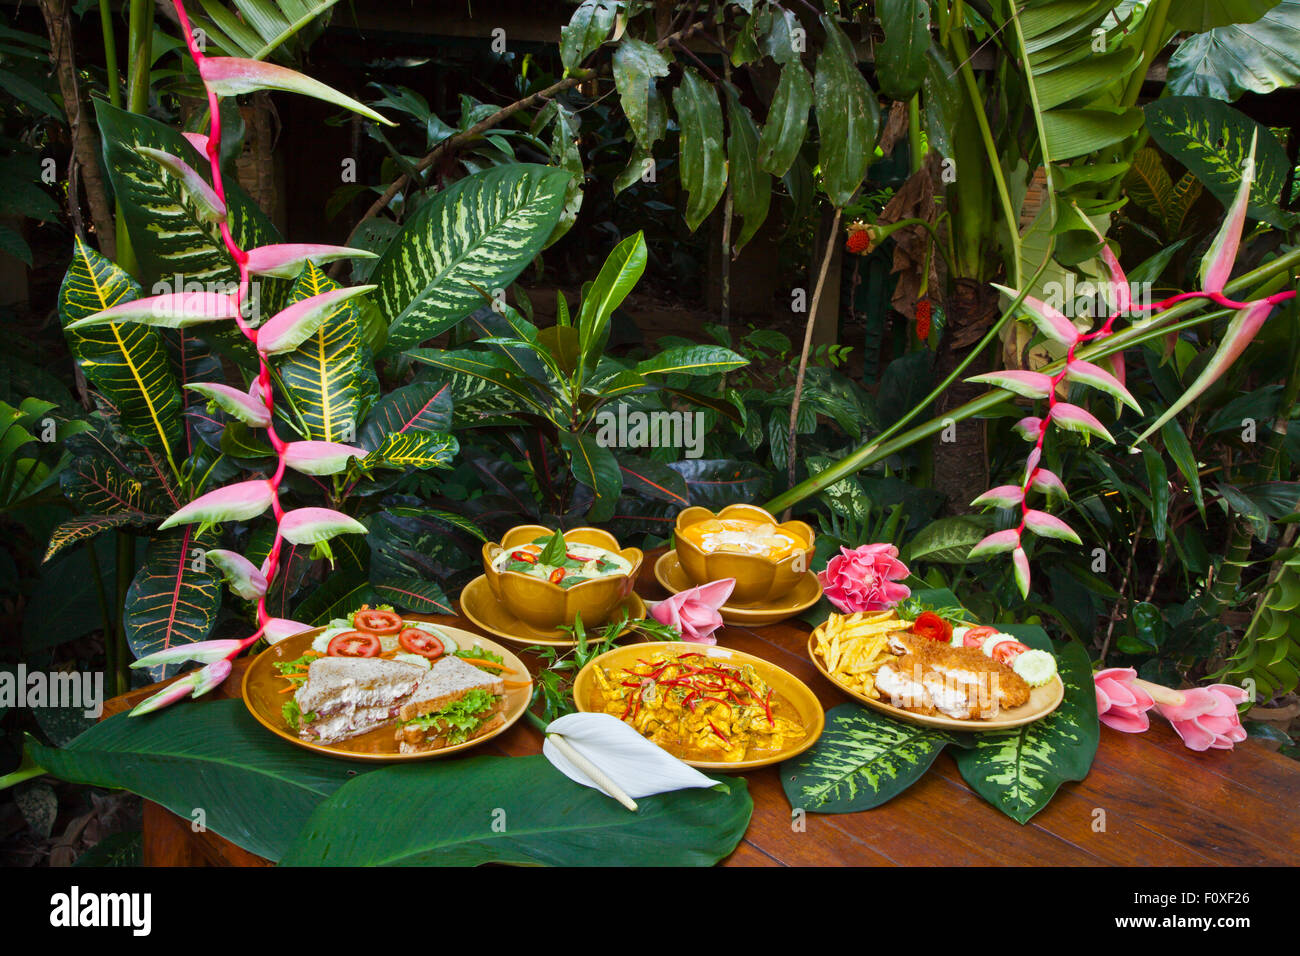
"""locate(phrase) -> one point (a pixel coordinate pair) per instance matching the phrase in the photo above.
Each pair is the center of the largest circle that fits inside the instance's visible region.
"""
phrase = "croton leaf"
(477, 234)
(717, 482)
(173, 599)
(861, 760)
(84, 527)
(596, 467)
(414, 595)
(1020, 770)
(418, 407)
(413, 450)
(328, 379)
(542, 818)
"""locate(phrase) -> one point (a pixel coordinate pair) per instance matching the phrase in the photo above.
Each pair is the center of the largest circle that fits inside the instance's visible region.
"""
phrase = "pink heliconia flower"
(248, 408)
(285, 260)
(320, 457)
(290, 327)
(178, 689)
(198, 141)
(1029, 427)
(1075, 419)
(202, 652)
(995, 543)
(211, 676)
(205, 198)
(172, 310)
(694, 612)
(243, 577)
(863, 579)
(1122, 703)
(1020, 565)
(1049, 526)
(1051, 321)
(1004, 496)
(1047, 481)
(1117, 367)
(314, 525)
(237, 502)
(231, 76)
(1028, 384)
(1096, 376)
(1207, 718)
(277, 629)
(1218, 261)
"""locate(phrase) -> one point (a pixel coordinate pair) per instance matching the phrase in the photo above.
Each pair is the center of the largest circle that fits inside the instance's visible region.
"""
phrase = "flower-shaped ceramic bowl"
(759, 578)
(544, 605)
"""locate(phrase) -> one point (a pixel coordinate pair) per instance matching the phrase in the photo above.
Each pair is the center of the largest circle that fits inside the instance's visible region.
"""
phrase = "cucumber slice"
(448, 642)
(322, 642)
(1035, 666)
(993, 640)
(958, 634)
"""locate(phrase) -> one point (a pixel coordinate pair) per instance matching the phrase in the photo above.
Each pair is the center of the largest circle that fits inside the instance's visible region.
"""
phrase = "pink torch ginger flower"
(863, 579)
(1121, 703)
(694, 612)
(1205, 717)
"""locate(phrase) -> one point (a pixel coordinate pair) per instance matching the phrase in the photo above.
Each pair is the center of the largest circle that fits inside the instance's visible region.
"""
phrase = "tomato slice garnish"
(976, 636)
(377, 622)
(931, 625)
(354, 644)
(1004, 652)
(419, 641)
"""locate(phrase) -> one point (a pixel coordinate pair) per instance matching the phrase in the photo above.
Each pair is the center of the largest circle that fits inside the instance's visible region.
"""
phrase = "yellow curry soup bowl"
(759, 578)
(545, 605)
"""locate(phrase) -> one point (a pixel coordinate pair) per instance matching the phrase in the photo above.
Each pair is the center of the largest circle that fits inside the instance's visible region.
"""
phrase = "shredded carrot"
(485, 663)
(516, 683)
(287, 689)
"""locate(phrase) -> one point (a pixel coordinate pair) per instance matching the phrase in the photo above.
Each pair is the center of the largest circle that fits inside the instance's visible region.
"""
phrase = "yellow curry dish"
(744, 536)
(697, 707)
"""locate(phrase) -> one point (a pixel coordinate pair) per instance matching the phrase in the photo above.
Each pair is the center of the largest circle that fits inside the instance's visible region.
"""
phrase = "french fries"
(854, 646)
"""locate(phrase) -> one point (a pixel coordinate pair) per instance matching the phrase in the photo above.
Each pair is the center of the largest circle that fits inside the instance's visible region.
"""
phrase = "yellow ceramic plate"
(1042, 701)
(263, 683)
(784, 684)
(669, 573)
(479, 604)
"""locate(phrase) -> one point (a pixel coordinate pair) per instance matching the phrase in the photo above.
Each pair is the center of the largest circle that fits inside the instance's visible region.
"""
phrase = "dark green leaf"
(848, 116)
(703, 160)
(900, 59)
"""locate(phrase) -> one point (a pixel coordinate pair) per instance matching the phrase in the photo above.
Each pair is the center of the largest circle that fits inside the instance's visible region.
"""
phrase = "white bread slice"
(447, 681)
(337, 684)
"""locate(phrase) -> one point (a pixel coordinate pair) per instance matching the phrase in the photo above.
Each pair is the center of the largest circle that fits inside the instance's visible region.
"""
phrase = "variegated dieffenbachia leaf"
(476, 235)
(1020, 770)
(329, 378)
(861, 760)
(126, 361)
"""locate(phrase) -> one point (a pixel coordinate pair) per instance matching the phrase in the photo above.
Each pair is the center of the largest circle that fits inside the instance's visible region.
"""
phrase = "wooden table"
(1163, 804)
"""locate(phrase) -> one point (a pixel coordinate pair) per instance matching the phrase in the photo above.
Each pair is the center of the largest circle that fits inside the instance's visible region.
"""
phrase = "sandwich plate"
(263, 686)
(784, 684)
(1042, 701)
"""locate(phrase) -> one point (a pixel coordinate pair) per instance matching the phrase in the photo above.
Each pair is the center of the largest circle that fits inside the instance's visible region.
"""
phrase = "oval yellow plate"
(783, 683)
(480, 605)
(669, 573)
(1042, 701)
(263, 684)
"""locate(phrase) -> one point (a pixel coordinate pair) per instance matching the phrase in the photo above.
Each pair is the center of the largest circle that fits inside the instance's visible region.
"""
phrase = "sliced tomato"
(355, 644)
(419, 641)
(1004, 652)
(377, 622)
(976, 636)
(931, 625)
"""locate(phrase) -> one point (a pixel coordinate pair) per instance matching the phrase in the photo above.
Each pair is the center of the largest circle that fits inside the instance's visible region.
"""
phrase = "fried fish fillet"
(959, 682)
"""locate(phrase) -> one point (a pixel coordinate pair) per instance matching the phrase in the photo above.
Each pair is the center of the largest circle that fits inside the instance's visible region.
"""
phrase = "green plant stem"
(1153, 40)
(110, 56)
(882, 447)
(915, 159)
(139, 49)
(28, 769)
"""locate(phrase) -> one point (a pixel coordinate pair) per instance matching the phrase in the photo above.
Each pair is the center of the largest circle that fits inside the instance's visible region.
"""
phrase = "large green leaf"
(596, 467)
(787, 120)
(126, 361)
(619, 274)
(263, 26)
(946, 540)
(418, 407)
(703, 159)
(692, 360)
(409, 543)
(636, 66)
(1213, 140)
(848, 116)
(588, 28)
(496, 370)
(211, 756)
(169, 234)
(517, 810)
(717, 482)
(174, 597)
(1197, 16)
(900, 59)
(328, 379)
(415, 449)
(1229, 61)
(477, 234)
(1077, 132)
(751, 186)
(1020, 770)
(861, 760)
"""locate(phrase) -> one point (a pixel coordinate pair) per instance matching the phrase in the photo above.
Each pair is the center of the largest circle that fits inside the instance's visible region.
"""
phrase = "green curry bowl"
(538, 586)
